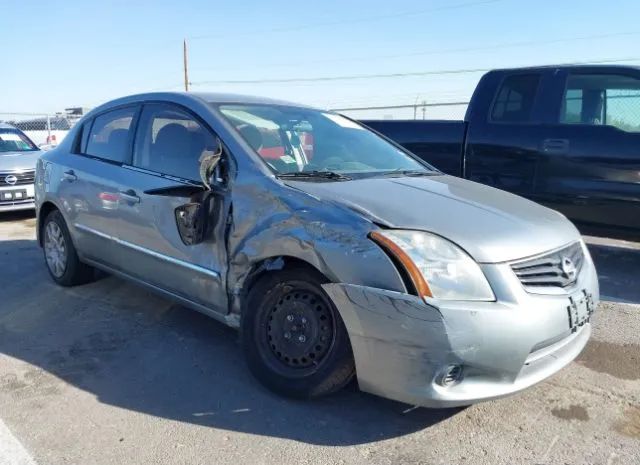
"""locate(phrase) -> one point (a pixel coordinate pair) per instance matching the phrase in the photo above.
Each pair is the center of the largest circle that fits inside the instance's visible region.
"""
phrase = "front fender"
(277, 221)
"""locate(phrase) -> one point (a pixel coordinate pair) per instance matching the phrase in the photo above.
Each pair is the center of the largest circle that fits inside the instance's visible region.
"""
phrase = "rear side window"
(514, 102)
(110, 134)
(171, 141)
(602, 100)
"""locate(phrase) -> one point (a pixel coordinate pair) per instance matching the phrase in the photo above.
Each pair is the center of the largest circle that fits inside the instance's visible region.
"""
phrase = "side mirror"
(191, 222)
(192, 218)
(208, 162)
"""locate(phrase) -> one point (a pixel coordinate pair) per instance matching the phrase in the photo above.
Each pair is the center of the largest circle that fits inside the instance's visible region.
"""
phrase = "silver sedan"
(337, 253)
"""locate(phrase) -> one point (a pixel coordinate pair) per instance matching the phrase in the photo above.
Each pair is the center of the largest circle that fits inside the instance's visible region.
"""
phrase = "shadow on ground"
(136, 351)
(618, 270)
(21, 215)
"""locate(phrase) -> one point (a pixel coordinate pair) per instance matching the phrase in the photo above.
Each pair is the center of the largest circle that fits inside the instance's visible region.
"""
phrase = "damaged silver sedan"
(335, 252)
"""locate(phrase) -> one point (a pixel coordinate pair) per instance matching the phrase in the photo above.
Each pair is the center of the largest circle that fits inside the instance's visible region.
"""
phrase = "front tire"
(293, 338)
(60, 255)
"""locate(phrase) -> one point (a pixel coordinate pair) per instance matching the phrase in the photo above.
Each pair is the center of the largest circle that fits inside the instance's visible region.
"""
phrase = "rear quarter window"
(515, 98)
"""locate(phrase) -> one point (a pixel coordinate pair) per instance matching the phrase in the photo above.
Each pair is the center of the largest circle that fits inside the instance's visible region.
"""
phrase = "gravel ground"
(108, 373)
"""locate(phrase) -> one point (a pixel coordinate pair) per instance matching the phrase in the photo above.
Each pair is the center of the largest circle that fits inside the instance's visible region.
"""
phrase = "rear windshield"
(14, 141)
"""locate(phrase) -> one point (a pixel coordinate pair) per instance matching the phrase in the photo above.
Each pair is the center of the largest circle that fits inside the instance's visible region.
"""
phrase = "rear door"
(89, 186)
(168, 144)
(590, 169)
(502, 148)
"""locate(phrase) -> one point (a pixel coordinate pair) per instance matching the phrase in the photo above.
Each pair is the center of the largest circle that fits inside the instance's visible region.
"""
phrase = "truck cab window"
(514, 101)
(602, 100)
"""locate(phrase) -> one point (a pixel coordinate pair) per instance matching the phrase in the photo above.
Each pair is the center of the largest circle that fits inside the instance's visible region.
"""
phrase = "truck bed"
(440, 143)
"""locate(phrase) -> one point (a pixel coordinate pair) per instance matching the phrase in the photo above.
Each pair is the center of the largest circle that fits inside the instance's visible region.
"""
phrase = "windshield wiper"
(315, 174)
(411, 173)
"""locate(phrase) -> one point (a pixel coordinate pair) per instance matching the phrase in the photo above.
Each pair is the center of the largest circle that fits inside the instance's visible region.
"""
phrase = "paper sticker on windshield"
(10, 136)
(288, 159)
(342, 121)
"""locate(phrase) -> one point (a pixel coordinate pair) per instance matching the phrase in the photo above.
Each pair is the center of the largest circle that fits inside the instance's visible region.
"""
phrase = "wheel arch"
(45, 209)
(262, 267)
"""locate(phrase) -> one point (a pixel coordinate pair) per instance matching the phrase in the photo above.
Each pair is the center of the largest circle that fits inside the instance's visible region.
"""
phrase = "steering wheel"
(328, 164)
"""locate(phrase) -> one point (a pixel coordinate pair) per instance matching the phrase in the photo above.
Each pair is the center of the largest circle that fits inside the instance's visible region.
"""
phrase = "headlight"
(438, 268)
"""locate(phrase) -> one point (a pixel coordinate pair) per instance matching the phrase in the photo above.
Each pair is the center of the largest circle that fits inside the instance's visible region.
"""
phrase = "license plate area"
(13, 195)
(580, 309)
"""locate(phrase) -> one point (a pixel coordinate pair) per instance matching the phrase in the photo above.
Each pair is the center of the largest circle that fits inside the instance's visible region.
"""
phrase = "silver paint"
(261, 224)
(137, 248)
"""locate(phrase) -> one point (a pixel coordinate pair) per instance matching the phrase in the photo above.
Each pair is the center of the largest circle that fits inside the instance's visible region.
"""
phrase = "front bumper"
(402, 345)
(26, 203)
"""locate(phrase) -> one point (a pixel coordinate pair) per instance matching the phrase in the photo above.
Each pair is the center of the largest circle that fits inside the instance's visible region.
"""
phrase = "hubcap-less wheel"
(55, 249)
(300, 329)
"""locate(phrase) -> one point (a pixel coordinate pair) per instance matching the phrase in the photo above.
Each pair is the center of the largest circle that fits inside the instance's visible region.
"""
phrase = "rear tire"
(293, 338)
(60, 255)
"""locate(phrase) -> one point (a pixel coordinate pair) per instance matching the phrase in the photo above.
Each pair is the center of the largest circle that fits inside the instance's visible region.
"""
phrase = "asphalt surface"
(108, 373)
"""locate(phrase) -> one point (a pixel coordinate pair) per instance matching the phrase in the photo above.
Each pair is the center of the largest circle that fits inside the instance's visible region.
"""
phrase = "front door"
(169, 142)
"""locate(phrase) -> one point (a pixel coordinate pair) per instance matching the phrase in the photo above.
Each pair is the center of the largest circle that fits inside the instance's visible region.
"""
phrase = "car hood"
(16, 161)
(491, 225)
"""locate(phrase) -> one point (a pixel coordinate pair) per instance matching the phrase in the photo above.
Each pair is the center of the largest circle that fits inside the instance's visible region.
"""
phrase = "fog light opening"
(451, 376)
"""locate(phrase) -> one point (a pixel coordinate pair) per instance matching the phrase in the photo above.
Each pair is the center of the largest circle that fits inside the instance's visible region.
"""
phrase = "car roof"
(215, 97)
(6, 126)
(582, 67)
(207, 97)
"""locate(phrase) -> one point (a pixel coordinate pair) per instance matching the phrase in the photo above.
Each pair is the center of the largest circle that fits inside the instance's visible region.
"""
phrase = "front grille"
(11, 203)
(22, 177)
(560, 268)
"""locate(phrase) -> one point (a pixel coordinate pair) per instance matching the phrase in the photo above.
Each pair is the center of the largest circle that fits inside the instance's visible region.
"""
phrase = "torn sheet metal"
(270, 220)
(398, 341)
(402, 346)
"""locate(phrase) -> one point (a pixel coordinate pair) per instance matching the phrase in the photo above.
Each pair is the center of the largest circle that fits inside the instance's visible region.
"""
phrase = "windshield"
(298, 140)
(14, 141)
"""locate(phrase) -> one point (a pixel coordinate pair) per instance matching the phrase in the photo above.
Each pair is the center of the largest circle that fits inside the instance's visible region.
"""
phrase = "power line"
(390, 107)
(388, 75)
(348, 21)
(449, 51)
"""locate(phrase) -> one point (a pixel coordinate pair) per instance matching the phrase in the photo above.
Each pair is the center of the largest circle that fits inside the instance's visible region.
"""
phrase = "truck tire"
(293, 338)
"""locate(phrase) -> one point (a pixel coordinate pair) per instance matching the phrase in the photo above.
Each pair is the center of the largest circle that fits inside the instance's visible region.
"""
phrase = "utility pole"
(424, 109)
(186, 69)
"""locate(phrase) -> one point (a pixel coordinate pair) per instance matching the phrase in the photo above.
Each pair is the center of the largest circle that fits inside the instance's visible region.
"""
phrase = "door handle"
(129, 196)
(555, 146)
(69, 176)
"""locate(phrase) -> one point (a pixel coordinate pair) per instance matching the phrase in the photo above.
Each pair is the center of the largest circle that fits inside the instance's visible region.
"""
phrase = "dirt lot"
(109, 374)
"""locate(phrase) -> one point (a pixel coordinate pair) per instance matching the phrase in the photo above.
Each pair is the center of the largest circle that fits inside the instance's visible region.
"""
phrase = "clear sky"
(57, 54)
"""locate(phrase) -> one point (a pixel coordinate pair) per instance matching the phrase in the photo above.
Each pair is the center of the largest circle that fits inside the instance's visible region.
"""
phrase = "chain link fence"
(422, 110)
(46, 129)
(42, 128)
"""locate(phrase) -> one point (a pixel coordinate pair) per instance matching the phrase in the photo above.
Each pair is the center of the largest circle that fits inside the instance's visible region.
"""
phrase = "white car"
(18, 157)
(44, 135)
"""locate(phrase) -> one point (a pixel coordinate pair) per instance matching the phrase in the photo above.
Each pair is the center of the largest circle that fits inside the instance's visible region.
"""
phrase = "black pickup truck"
(567, 137)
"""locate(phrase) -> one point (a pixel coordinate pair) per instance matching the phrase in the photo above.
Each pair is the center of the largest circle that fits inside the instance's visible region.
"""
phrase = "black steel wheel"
(293, 337)
(300, 328)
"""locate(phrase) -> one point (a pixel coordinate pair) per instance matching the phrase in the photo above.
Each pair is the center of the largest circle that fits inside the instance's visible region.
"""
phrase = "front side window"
(171, 141)
(110, 134)
(602, 100)
(292, 140)
(514, 102)
(14, 141)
